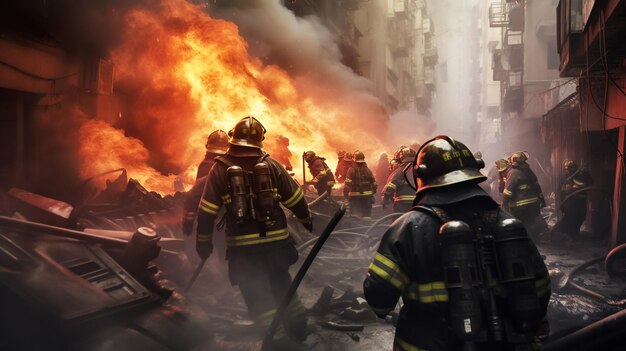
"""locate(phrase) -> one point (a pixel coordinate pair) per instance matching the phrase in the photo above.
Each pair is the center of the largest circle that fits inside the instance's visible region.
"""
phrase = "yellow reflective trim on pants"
(389, 271)
(543, 286)
(207, 210)
(209, 204)
(297, 195)
(428, 292)
(404, 198)
(402, 345)
(526, 201)
(361, 193)
(201, 238)
(256, 238)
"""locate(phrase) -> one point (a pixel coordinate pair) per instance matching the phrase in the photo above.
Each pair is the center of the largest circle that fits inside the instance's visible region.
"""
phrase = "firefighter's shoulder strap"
(225, 161)
(230, 163)
(488, 217)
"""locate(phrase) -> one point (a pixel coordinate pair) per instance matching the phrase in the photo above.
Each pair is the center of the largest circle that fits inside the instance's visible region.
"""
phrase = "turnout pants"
(262, 275)
(361, 206)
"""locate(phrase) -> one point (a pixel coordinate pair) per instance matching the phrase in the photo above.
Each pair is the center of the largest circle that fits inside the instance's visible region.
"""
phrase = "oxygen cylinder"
(237, 181)
(265, 202)
(462, 279)
(514, 251)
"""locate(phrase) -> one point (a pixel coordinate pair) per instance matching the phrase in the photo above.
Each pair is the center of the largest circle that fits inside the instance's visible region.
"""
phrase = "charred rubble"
(115, 270)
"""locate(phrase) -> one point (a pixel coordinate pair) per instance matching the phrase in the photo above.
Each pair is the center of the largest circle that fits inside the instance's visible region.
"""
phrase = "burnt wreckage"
(109, 274)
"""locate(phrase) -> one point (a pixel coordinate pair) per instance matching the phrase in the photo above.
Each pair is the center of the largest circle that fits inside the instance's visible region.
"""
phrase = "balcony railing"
(498, 16)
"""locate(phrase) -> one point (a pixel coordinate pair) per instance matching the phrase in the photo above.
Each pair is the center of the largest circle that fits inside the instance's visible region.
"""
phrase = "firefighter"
(216, 145)
(343, 166)
(411, 260)
(574, 206)
(522, 196)
(323, 179)
(397, 189)
(360, 187)
(503, 166)
(250, 185)
(339, 172)
(382, 170)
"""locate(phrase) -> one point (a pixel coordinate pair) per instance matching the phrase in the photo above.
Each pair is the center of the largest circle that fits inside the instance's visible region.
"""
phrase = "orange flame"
(188, 74)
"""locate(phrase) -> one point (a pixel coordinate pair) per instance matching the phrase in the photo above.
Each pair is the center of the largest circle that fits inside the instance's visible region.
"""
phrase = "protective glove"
(187, 227)
(307, 223)
(204, 249)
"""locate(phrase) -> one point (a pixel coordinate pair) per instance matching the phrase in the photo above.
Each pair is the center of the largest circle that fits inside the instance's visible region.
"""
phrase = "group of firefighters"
(439, 256)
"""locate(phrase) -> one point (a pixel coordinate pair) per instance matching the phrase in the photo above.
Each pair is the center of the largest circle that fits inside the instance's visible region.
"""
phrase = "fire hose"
(280, 311)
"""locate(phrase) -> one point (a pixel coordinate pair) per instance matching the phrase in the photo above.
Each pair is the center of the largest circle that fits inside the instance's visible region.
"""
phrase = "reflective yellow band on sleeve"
(389, 271)
(209, 204)
(330, 183)
(321, 173)
(256, 238)
(297, 196)
(428, 292)
(207, 210)
(348, 180)
(507, 192)
(523, 187)
(202, 238)
(391, 186)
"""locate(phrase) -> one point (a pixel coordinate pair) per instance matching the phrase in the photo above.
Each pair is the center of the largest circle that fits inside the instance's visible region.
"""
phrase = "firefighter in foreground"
(522, 196)
(360, 187)
(323, 179)
(216, 145)
(574, 206)
(442, 258)
(251, 186)
(397, 188)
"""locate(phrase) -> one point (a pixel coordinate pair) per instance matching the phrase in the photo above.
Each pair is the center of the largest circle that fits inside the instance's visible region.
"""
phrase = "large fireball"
(187, 74)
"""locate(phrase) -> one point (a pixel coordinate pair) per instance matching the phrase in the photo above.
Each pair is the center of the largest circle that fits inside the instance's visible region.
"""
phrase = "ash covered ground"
(212, 312)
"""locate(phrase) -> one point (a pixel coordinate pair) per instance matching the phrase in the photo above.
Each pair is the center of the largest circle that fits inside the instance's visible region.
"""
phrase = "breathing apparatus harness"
(489, 278)
(253, 194)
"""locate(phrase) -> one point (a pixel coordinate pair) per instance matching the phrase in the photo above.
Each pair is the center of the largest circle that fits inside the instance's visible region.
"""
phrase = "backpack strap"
(225, 161)
(434, 211)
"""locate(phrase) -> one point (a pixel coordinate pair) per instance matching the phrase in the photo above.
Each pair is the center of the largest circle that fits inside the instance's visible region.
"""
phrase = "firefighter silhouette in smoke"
(216, 145)
(382, 170)
(251, 186)
(574, 206)
(439, 257)
(344, 163)
(323, 179)
(397, 190)
(360, 187)
(522, 196)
